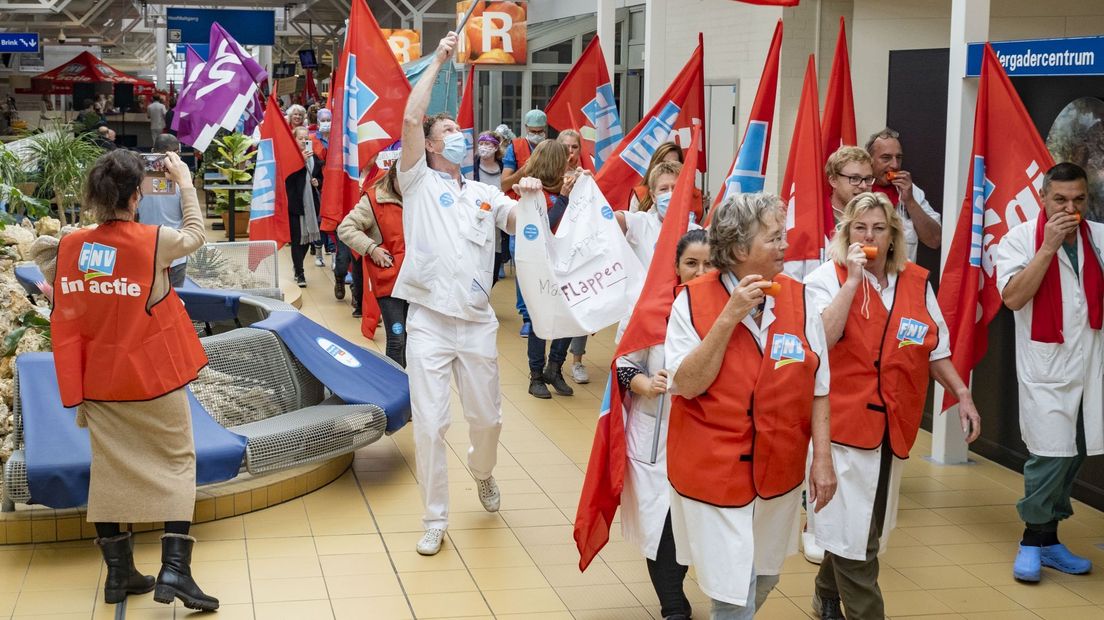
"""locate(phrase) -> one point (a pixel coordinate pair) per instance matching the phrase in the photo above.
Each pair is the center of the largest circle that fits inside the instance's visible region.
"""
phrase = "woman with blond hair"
(886, 338)
(547, 164)
(642, 227)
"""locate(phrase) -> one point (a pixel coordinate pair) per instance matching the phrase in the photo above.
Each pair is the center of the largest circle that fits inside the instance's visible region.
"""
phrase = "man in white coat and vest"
(1049, 273)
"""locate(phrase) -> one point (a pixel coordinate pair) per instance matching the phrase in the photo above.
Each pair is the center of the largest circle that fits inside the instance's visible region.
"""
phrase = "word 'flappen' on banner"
(575, 282)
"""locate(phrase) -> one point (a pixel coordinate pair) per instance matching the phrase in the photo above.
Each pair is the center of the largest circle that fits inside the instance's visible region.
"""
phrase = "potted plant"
(235, 162)
(62, 161)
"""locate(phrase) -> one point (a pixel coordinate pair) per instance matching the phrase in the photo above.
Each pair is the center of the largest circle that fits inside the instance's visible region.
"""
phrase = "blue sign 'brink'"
(19, 42)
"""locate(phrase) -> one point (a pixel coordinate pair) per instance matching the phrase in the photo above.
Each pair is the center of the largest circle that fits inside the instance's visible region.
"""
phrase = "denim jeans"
(343, 260)
(727, 611)
(557, 353)
(394, 312)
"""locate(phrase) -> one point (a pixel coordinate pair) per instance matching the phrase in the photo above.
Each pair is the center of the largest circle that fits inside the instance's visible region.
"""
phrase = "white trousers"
(440, 348)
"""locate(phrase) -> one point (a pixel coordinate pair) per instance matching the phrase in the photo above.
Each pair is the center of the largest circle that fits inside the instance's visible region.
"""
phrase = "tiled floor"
(347, 551)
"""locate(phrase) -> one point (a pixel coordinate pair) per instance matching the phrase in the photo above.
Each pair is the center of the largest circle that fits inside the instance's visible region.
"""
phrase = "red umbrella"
(85, 68)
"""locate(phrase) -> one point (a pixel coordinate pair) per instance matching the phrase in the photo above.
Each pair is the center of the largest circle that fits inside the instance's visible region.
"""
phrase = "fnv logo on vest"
(911, 332)
(96, 260)
(786, 349)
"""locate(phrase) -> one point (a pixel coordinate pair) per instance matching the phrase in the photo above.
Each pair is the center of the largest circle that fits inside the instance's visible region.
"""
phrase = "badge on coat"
(911, 332)
(786, 349)
(446, 200)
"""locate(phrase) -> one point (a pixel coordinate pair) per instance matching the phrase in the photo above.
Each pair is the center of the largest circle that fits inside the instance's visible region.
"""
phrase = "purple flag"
(193, 64)
(221, 93)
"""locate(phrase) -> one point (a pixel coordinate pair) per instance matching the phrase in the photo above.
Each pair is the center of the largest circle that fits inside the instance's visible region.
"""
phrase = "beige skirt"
(143, 460)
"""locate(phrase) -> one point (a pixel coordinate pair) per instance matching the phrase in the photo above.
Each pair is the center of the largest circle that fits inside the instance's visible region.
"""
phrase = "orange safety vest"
(748, 434)
(389, 218)
(522, 151)
(880, 367)
(640, 191)
(107, 346)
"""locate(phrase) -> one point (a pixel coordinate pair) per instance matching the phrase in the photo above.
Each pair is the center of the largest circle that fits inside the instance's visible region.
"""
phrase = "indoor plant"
(62, 161)
(234, 161)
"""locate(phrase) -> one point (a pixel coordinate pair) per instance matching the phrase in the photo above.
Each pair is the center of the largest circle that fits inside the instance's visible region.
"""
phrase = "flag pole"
(659, 422)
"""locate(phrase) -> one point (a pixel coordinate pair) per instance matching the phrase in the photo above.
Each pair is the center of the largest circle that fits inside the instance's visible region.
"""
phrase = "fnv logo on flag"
(911, 332)
(1006, 175)
(278, 157)
(264, 182)
(368, 99)
(786, 349)
(96, 260)
(677, 111)
(749, 168)
(586, 94)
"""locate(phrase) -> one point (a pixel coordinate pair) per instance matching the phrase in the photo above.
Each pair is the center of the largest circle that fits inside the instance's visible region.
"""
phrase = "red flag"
(1006, 174)
(368, 98)
(585, 160)
(465, 117)
(278, 156)
(584, 101)
(748, 172)
(679, 108)
(838, 124)
(803, 184)
(370, 312)
(310, 88)
(605, 477)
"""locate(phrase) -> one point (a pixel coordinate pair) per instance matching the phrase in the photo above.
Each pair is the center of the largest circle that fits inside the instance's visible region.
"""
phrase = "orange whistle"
(871, 251)
(774, 289)
(890, 175)
(1077, 215)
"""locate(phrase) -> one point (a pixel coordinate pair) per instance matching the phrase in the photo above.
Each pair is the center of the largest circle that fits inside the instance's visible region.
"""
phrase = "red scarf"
(1046, 315)
(890, 192)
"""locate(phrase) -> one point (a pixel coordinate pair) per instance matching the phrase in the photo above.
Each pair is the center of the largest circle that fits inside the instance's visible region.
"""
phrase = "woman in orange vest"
(887, 338)
(750, 385)
(127, 381)
(374, 229)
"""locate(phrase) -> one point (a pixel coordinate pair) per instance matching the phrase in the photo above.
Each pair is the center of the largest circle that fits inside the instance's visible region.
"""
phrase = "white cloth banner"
(585, 277)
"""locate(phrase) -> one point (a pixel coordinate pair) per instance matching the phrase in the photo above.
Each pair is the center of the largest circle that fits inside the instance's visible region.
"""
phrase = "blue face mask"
(662, 201)
(455, 147)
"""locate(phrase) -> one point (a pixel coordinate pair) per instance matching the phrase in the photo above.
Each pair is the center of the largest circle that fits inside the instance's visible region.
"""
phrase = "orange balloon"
(871, 251)
(774, 289)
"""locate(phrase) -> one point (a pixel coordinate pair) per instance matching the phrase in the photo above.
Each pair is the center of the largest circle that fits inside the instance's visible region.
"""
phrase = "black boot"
(123, 577)
(175, 579)
(553, 375)
(537, 387)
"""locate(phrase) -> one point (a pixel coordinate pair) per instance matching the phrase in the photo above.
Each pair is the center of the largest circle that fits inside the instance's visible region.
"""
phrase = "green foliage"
(30, 321)
(62, 161)
(234, 155)
(12, 175)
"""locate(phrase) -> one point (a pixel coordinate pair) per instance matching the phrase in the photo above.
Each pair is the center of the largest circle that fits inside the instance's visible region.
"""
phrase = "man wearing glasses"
(849, 173)
(922, 223)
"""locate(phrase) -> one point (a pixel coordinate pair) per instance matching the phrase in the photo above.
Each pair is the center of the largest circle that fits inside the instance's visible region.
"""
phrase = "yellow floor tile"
(378, 608)
(437, 582)
(974, 599)
(448, 605)
(296, 610)
(295, 589)
(525, 601)
(1042, 594)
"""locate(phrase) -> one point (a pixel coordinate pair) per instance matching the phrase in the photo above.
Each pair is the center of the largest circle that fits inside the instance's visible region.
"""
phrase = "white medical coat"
(1054, 379)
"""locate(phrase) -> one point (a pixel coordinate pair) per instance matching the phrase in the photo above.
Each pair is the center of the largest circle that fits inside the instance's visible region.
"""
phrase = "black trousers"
(394, 312)
(298, 250)
(343, 260)
(667, 575)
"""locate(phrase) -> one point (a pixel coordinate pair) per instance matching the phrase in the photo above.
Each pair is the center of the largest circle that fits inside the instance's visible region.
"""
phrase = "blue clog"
(1028, 564)
(1060, 558)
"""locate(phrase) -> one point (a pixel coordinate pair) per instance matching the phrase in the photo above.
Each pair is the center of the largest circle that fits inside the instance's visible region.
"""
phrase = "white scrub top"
(714, 539)
(642, 233)
(449, 229)
(1054, 379)
(843, 526)
(646, 497)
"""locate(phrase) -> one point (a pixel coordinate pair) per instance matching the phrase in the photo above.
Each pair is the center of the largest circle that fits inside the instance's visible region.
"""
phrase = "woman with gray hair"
(750, 379)
(887, 338)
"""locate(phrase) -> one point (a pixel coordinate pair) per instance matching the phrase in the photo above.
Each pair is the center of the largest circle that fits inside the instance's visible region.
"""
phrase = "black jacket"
(294, 187)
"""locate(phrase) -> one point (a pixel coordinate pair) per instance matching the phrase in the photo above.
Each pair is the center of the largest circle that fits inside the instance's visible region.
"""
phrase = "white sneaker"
(319, 260)
(813, 552)
(430, 543)
(579, 373)
(488, 494)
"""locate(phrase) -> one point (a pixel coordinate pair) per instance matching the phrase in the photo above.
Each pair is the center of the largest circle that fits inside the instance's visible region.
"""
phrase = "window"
(544, 86)
(511, 99)
(558, 54)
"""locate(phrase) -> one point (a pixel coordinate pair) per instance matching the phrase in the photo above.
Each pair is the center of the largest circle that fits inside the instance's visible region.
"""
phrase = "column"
(607, 31)
(969, 23)
(655, 51)
(160, 37)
